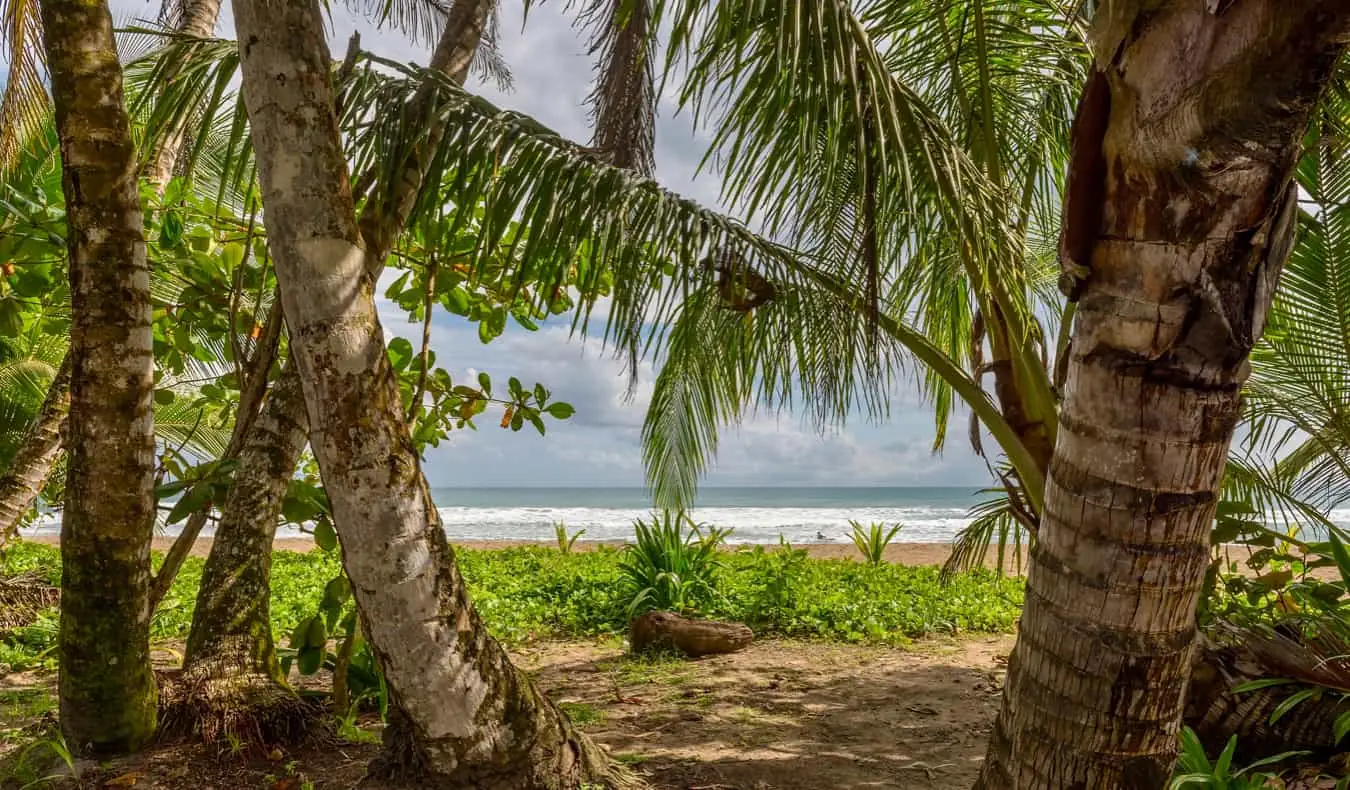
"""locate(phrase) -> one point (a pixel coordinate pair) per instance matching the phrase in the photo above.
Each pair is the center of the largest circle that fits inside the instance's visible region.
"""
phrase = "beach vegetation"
(872, 540)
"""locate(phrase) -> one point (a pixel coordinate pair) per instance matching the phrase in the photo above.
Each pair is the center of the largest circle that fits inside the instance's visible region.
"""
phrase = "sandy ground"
(899, 553)
(780, 715)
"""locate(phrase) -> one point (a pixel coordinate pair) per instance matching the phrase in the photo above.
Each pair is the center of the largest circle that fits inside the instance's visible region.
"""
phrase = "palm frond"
(1000, 520)
(1298, 398)
(24, 104)
(420, 20)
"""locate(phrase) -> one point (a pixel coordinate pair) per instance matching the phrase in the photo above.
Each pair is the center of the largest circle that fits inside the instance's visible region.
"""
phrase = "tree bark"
(107, 691)
(33, 461)
(475, 720)
(1207, 113)
(258, 369)
(231, 626)
(42, 446)
(231, 683)
(221, 640)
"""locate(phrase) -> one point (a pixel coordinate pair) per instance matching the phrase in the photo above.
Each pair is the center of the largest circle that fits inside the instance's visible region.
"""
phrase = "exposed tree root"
(247, 709)
(584, 765)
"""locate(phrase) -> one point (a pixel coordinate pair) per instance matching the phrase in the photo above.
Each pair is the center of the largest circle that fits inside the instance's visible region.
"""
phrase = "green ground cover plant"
(534, 592)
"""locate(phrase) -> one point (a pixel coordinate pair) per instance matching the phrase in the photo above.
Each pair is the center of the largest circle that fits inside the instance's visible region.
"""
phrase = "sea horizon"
(754, 514)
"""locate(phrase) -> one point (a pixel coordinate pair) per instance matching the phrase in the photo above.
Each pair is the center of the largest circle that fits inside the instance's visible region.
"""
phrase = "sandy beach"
(896, 553)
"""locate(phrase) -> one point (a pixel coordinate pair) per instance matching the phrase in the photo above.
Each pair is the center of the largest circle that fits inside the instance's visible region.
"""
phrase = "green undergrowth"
(532, 593)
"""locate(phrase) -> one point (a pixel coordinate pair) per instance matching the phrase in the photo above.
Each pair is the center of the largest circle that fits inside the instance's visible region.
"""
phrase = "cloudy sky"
(599, 446)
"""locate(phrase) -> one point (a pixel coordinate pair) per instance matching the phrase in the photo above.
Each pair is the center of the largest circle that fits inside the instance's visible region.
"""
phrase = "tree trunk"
(474, 720)
(1195, 211)
(107, 690)
(257, 370)
(42, 446)
(198, 19)
(222, 642)
(231, 683)
(33, 461)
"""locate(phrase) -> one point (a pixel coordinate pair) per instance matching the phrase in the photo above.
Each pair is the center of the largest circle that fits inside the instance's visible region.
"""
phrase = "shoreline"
(911, 554)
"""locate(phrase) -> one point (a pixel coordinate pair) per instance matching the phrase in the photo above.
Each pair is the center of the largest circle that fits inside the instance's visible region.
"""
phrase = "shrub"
(669, 567)
(873, 540)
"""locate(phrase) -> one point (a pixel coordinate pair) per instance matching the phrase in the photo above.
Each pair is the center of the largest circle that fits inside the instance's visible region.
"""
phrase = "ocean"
(757, 515)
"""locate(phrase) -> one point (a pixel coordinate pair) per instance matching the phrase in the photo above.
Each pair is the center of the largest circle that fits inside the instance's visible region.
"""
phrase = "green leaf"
(533, 417)
(171, 231)
(1342, 556)
(457, 301)
(1342, 726)
(11, 317)
(485, 383)
(309, 659)
(1293, 701)
(324, 534)
(337, 592)
(400, 353)
(316, 633)
(195, 499)
(164, 397)
(560, 410)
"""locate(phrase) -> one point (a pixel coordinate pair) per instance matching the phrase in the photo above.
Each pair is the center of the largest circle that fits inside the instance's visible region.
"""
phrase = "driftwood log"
(656, 631)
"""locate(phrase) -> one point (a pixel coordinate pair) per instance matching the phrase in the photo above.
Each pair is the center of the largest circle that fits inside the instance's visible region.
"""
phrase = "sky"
(600, 445)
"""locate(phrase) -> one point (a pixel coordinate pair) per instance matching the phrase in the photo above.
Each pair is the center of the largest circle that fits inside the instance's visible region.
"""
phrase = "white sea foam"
(750, 524)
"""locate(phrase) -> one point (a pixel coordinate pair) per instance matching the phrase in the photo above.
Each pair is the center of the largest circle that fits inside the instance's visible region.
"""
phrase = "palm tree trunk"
(257, 370)
(241, 548)
(32, 463)
(231, 645)
(1194, 218)
(198, 19)
(42, 445)
(475, 720)
(231, 623)
(231, 683)
(107, 691)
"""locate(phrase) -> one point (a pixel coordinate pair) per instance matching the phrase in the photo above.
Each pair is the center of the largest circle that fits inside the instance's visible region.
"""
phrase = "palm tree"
(107, 689)
(1180, 257)
(402, 569)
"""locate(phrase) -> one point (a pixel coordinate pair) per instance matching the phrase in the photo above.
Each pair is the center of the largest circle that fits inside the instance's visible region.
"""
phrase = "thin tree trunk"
(198, 19)
(268, 460)
(1196, 214)
(107, 691)
(231, 683)
(250, 397)
(475, 720)
(42, 445)
(33, 461)
(231, 626)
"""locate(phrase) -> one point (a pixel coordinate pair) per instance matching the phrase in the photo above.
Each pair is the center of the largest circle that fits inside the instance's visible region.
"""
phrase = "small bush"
(873, 540)
(670, 567)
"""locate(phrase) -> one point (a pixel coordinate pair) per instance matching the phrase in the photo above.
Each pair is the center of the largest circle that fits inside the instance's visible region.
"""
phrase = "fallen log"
(657, 631)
